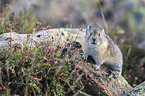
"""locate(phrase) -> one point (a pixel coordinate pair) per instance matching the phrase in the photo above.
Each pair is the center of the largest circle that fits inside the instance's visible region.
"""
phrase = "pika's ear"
(103, 31)
(88, 29)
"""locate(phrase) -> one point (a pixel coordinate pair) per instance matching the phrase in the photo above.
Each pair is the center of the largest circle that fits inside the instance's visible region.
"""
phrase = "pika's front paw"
(96, 67)
(116, 74)
(84, 57)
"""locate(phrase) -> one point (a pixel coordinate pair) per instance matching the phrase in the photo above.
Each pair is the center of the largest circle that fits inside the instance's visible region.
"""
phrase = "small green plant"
(24, 22)
(46, 69)
(4, 21)
(21, 23)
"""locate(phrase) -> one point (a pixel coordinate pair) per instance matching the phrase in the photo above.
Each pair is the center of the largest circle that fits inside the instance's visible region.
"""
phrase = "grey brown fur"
(103, 50)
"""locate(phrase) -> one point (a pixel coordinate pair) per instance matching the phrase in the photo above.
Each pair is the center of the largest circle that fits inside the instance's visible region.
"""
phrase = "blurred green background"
(127, 14)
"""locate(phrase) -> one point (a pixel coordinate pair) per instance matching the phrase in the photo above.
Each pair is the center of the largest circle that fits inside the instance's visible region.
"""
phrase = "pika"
(103, 50)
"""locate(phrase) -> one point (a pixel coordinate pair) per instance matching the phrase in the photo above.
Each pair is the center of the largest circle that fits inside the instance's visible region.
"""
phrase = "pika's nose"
(94, 39)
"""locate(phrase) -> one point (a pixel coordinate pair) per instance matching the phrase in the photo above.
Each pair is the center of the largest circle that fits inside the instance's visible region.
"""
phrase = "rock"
(102, 83)
(141, 45)
(41, 36)
(137, 91)
(96, 82)
(15, 39)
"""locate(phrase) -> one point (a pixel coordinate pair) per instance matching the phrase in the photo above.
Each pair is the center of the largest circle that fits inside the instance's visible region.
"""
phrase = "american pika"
(103, 50)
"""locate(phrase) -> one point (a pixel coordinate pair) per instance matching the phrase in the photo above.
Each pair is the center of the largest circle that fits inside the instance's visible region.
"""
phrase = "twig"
(7, 63)
(105, 24)
(79, 91)
(78, 33)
